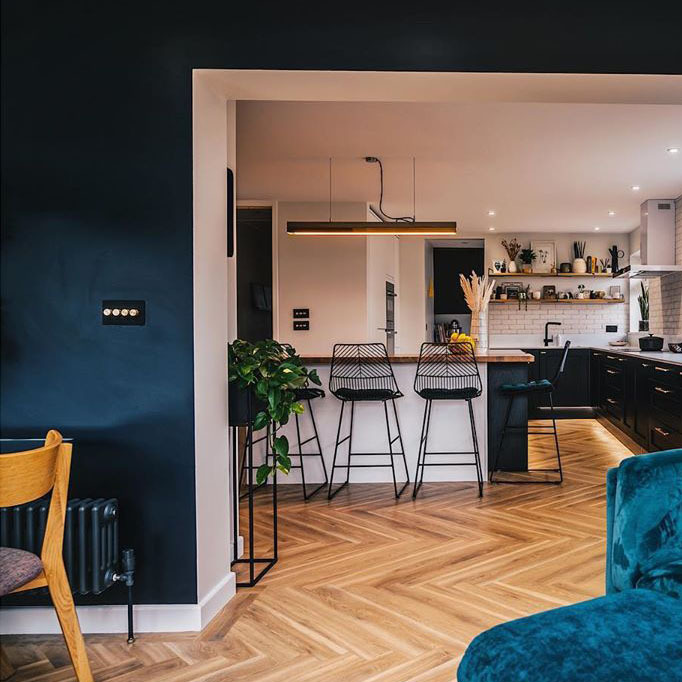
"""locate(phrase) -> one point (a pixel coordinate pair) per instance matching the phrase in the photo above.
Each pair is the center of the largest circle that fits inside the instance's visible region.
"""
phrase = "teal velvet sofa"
(634, 632)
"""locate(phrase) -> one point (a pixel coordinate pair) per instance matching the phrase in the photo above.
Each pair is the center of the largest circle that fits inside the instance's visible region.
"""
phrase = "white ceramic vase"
(579, 265)
(512, 266)
(482, 342)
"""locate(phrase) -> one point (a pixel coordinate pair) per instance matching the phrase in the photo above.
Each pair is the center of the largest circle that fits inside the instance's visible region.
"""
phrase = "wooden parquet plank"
(373, 590)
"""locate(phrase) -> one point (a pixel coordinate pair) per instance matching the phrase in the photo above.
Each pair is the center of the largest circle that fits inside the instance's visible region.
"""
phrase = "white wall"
(383, 265)
(211, 115)
(412, 296)
(328, 275)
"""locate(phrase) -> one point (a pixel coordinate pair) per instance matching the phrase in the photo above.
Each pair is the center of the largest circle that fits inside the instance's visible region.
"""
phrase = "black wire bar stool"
(447, 371)
(544, 386)
(362, 372)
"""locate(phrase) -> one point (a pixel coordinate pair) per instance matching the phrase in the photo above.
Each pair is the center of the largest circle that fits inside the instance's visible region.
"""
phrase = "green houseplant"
(272, 372)
(527, 257)
(643, 300)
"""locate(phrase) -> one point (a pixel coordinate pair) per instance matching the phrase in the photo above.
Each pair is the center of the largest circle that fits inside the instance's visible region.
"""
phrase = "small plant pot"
(644, 325)
(527, 268)
(238, 405)
(579, 265)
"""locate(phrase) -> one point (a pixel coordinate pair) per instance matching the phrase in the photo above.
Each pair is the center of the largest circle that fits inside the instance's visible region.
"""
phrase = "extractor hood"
(657, 242)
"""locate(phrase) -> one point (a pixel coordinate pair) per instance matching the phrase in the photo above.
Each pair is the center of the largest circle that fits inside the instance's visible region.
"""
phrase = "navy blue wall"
(97, 203)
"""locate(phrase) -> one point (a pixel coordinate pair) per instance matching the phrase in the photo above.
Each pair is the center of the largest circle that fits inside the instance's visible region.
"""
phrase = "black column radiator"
(91, 550)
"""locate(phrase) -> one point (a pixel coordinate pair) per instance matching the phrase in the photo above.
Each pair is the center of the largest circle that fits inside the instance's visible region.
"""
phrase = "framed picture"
(512, 289)
(545, 255)
(549, 291)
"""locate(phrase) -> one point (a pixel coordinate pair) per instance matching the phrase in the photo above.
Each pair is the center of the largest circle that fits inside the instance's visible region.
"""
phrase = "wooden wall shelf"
(549, 274)
(562, 301)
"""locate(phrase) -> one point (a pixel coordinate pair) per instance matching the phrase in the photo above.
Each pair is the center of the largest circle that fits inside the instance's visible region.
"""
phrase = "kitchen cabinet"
(573, 388)
(643, 398)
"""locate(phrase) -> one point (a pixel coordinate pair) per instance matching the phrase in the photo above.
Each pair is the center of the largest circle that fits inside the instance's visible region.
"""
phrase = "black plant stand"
(266, 562)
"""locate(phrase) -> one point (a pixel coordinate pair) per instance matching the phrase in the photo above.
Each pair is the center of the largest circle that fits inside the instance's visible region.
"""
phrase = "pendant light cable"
(401, 219)
(330, 189)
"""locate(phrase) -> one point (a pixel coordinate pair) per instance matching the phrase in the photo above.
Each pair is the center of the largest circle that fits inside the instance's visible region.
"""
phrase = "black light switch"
(301, 313)
(124, 313)
(301, 325)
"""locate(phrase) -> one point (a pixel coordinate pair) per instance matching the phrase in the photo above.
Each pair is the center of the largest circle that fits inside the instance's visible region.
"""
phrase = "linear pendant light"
(407, 226)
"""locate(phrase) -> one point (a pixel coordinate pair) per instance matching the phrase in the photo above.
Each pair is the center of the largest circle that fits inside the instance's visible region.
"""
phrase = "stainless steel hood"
(647, 271)
(657, 242)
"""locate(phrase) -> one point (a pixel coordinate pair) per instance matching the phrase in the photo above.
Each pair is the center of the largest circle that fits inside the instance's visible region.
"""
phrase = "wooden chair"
(26, 476)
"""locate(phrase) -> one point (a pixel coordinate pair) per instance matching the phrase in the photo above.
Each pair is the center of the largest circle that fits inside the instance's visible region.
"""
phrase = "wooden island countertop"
(486, 356)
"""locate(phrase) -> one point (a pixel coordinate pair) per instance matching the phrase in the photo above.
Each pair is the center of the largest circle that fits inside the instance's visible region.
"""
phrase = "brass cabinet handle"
(662, 390)
(645, 364)
(621, 359)
(661, 431)
(611, 400)
(611, 357)
(612, 371)
(661, 369)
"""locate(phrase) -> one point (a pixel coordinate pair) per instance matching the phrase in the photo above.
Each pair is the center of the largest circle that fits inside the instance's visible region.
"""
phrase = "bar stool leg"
(390, 449)
(301, 456)
(402, 447)
(420, 457)
(504, 433)
(331, 494)
(474, 437)
(556, 439)
(319, 446)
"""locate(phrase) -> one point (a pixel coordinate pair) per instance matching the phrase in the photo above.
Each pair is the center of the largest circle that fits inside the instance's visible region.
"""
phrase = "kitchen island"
(450, 428)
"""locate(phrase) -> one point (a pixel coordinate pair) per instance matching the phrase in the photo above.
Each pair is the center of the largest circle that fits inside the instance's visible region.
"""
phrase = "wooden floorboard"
(373, 590)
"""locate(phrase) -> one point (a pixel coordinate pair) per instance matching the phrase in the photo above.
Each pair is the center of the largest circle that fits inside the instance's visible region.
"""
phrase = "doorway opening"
(254, 273)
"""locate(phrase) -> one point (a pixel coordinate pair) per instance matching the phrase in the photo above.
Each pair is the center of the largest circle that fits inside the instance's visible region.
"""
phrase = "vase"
(527, 268)
(475, 326)
(644, 325)
(579, 265)
(512, 266)
(482, 341)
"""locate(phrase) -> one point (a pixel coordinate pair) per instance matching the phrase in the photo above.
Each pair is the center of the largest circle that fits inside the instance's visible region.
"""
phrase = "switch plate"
(301, 313)
(611, 327)
(301, 325)
(123, 313)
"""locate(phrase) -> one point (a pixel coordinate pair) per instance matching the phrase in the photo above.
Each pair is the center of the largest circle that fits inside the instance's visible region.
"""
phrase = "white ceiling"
(545, 167)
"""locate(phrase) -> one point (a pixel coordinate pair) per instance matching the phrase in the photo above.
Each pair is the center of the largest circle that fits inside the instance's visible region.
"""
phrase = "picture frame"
(545, 258)
(549, 292)
(512, 289)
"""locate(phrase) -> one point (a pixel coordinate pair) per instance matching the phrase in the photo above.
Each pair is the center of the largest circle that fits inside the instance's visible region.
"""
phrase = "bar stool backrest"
(447, 366)
(560, 369)
(360, 367)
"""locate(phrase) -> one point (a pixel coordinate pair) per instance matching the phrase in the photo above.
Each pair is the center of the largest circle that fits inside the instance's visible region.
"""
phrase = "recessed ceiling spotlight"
(491, 212)
(635, 188)
(597, 228)
(612, 213)
(492, 229)
(673, 150)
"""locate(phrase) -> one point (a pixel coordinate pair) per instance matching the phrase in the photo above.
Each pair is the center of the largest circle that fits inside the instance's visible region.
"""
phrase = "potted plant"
(643, 300)
(266, 374)
(579, 264)
(512, 248)
(527, 257)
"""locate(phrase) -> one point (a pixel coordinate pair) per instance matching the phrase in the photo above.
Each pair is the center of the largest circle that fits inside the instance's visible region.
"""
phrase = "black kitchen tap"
(547, 340)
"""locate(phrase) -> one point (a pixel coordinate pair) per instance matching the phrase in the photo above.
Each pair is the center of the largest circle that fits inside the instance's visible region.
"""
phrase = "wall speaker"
(230, 213)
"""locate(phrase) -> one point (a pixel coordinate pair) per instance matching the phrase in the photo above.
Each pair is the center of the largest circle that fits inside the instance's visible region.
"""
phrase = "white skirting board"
(41, 620)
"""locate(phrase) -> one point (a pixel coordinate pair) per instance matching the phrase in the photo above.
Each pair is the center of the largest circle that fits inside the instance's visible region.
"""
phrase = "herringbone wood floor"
(368, 589)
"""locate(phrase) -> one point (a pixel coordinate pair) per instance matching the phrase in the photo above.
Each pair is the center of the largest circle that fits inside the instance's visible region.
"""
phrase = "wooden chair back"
(30, 474)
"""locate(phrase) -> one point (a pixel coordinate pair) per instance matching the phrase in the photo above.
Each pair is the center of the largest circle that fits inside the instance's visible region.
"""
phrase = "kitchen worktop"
(495, 355)
(631, 351)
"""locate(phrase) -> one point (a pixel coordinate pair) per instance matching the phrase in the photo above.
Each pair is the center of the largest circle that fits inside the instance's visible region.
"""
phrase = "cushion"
(309, 393)
(632, 636)
(449, 393)
(645, 523)
(367, 394)
(528, 387)
(17, 568)
(663, 576)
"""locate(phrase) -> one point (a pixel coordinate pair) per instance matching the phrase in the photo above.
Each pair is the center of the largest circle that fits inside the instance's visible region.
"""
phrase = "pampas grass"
(477, 292)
